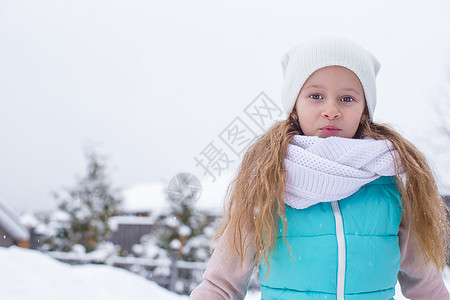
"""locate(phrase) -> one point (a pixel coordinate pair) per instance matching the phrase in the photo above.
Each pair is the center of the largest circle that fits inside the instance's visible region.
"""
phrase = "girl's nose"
(331, 112)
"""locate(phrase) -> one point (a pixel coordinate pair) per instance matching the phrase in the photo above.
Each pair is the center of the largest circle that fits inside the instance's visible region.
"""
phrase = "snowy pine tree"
(86, 208)
(182, 232)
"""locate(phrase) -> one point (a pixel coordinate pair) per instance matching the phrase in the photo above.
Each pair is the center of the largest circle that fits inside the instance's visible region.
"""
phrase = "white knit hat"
(304, 59)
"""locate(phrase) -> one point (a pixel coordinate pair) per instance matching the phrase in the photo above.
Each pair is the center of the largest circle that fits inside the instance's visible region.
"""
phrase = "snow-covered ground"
(29, 274)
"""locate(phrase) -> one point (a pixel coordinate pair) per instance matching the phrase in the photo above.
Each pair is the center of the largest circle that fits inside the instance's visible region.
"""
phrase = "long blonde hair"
(255, 195)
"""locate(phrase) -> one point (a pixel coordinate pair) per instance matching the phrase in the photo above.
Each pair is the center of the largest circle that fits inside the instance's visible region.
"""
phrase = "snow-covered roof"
(115, 221)
(11, 223)
(152, 196)
(145, 197)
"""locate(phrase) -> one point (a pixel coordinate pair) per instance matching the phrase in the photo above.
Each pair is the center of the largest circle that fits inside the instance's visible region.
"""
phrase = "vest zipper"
(341, 250)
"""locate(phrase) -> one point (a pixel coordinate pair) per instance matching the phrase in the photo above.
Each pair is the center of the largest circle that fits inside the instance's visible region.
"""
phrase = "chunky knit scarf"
(333, 168)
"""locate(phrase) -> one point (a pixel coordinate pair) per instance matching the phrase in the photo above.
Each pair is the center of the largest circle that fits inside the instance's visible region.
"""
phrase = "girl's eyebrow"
(322, 87)
(351, 90)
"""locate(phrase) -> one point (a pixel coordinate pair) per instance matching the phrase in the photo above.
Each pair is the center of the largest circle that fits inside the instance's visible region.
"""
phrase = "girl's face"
(331, 103)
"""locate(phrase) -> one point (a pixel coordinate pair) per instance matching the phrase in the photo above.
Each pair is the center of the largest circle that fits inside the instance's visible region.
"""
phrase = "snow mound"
(30, 274)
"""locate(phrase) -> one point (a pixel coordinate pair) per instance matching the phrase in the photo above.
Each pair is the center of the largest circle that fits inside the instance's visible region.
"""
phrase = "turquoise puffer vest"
(345, 249)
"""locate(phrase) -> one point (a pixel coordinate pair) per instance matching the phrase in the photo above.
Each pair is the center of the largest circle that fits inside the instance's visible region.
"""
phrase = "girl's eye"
(347, 99)
(315, 96)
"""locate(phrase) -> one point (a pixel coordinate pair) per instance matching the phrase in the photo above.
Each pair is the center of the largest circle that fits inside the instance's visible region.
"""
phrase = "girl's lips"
(330, 130)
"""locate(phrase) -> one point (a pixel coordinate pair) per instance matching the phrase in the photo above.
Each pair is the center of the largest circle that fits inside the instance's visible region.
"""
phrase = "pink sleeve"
(223, 278)
(415, 285)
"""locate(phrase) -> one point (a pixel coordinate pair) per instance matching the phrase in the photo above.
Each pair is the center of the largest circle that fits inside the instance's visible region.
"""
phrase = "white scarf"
(333, 168)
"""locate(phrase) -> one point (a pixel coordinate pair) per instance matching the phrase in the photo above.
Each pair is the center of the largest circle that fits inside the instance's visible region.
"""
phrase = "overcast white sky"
(152, 83)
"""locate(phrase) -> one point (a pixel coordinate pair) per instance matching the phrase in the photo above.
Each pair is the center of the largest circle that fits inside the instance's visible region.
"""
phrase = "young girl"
(328, 204)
